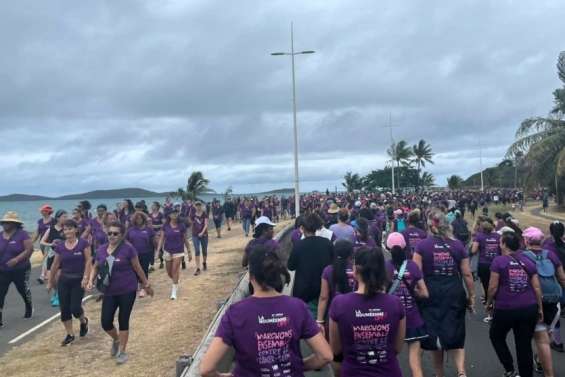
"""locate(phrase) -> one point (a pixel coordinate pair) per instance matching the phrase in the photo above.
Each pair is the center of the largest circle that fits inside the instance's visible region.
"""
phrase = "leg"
(541, 339)
(523, 333)
(77, 293)
(109, 307)
(64, 290)
(415, 359)
(5, 280)
(175, 270)
(196, 243)
(204, 244)
(125, 303)
(21, 281)
(500, 326)
(459, 359)
(438, 363)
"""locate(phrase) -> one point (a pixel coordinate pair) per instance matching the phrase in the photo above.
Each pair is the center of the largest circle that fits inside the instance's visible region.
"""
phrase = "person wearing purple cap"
(367, 327)
(119, 267)
(15, 250)
(73, 257)
(552, 281)
(266, 328)
(408, 285)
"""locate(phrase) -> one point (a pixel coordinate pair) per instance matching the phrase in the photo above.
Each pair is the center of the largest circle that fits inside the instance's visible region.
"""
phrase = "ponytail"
(343, 249)
(398, 256)
(370, 266)
(267, 269)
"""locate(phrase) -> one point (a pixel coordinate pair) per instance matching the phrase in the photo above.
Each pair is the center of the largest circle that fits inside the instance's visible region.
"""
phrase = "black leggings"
(20, 278)
(145, 260)
(522, 322)
(109, 306)
(70, 297)
(484, 275)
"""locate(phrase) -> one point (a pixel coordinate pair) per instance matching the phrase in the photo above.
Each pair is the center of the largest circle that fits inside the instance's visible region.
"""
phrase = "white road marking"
(37, 327)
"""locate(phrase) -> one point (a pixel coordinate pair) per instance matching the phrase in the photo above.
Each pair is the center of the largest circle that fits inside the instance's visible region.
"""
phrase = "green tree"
(401, 153)
(542, 141)
(196, 185)
(427, 179)
(352, 182)
(454, 182)
(422, 153)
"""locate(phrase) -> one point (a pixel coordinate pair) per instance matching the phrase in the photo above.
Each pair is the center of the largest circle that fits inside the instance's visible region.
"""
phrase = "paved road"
(14, 323)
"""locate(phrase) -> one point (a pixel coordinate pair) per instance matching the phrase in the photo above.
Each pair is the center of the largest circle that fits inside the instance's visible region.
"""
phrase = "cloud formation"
(139, 93)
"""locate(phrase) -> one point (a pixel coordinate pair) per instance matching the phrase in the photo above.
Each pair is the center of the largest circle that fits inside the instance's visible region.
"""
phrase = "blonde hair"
(438, 224)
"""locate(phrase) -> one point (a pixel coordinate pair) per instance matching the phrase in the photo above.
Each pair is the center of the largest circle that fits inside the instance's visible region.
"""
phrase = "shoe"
(122, 358)
(183, 265)
(55, 300)
(197, 272)
(161, 266)
(173, 294)
(68, 340)
(204, 266)
(557, 347)
(151, 269)
(537, 365)
(510, 374)
(40, 281)
(115, 348)
(84, 328)
(142, 293)
(487, 319)
(29, 312)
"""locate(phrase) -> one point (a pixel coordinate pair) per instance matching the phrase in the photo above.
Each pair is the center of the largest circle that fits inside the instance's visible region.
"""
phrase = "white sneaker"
(174, 293)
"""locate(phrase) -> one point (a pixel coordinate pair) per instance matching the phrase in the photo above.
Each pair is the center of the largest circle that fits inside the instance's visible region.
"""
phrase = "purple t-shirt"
(413, 236)
(174, 238)
(368, 328)
(123, 278)
(42, 226)
(11, 248)
(198, 223)
(358, 243)
(405, 290)
(549, 244)
(437, 260)
(266, 334)
(156, 220)
(72, 260)
(327, 275)
(343, 232)
(100, 237)
(489, 246)
(514, 286)
(295, 236)
(141, 239)
(245, 212)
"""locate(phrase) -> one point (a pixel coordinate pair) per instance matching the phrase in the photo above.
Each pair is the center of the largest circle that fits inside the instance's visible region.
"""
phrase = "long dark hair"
(343, 249)
(557, 230)
(398, 255)
(370, 266)
(267, 269)
(363, 229)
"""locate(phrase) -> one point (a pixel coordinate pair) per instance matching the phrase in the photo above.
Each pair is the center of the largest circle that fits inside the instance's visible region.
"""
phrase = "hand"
(471, 304)
(84, 283)
(149, 290)
(540, 316)
(12, 262)
(490, 308)
(89, 285)
(49, 286)
(322, 329)
(189, 256)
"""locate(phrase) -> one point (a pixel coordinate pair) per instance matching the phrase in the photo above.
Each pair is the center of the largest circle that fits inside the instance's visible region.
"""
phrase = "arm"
(537, 289)
(417, 258)
(400, 335)
(560, 274)
(468, 279)
(87, 266)
(210, 361)
(45, 238)
(292, 263)
(139, 272)
(492, 289)
(93, 273)
(335, 340)
(25, 254)
(421, 289)
(474, 247)
(205, 227)
(322, 353)
(323, 304)
(187, 245)
(53, 272)
(161, 241)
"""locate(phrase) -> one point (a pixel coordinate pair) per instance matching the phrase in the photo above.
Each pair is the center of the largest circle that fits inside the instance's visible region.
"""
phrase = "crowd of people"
(372, 271)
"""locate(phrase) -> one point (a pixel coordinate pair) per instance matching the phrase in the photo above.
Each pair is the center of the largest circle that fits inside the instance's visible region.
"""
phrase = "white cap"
(264, 220)
(358, 203)
(505, 229)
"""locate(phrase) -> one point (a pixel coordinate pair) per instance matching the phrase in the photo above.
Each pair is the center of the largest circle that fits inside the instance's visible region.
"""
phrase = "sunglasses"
(115, 234)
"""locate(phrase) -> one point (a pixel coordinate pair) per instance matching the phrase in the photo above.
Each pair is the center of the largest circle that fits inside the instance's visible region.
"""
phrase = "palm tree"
(422, 153)
(454, 182)
(401, 153)
(542, 141)
(427, 179)
(196, 185)
(352, 181)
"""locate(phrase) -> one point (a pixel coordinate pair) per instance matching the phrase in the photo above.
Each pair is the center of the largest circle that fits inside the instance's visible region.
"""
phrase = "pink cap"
(533, 233)
(395, 239)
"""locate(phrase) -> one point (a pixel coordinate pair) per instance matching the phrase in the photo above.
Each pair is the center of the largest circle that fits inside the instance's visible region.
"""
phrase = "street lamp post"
(296, 176)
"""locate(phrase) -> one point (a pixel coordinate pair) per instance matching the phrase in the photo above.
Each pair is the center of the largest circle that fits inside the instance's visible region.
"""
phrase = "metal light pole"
(393, 150)
(296, 176)
(481, 164)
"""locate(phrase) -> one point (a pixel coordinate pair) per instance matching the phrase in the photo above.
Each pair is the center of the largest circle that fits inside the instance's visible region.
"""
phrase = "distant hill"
(498, 176)
(21, 198)
(279, 191)
(97, 194)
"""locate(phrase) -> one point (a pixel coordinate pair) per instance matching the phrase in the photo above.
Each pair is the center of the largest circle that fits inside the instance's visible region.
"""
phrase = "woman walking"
(142, 237)
(246, 213)
(199, 225)
(43, 224)
(119, 264)
(514, 301)
(556, 244)
(172, 242)
(217, 216)
(50, 239)
(15, 250)
(367, 327)
(407, 284)
(487, 244)
(445, 265)
(73, 258)
(265, 329)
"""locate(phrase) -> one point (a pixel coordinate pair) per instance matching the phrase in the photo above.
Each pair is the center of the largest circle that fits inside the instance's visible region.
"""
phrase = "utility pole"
(393, 149)
(481, 164)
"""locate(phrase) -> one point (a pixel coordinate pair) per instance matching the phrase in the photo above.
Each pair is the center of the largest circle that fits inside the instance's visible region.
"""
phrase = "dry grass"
(160, 330)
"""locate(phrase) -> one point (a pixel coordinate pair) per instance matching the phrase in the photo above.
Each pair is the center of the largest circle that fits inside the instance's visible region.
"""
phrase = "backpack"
(550, 287)
(400, 225)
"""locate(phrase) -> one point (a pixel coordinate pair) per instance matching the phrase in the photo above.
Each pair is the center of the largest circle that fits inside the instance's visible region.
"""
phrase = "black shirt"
(308, 258)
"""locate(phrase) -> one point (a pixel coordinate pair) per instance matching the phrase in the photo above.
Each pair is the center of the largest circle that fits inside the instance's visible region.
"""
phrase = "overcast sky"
(110, 94)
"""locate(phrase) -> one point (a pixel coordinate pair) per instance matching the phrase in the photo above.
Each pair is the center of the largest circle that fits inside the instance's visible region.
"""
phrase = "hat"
(533, 233)
(505, 229)
(198, 203)
(264, 220)
(395, 239)
(11, 217)
(46, 208)
(373, 205)
(358, 203)
(333, 208)
(398, 212)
